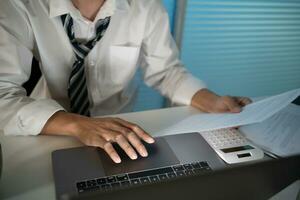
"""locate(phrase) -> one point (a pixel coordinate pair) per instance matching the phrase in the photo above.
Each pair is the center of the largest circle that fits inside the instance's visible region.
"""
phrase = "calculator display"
(234, 149)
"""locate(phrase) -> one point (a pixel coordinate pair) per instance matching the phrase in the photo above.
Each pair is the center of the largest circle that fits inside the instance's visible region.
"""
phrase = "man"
(89, 51)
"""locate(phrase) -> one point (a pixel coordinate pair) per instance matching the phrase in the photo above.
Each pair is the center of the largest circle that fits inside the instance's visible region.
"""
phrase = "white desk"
(27, 170)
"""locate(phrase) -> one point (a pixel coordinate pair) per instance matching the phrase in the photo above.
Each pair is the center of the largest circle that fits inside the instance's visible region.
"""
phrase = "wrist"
(204, 100)
(61, 123)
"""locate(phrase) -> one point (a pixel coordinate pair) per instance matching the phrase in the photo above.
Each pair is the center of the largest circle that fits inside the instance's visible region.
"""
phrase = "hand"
(101, 132)
(208, 101)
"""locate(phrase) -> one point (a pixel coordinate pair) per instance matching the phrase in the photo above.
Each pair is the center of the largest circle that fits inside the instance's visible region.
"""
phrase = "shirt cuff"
(31, 118)
(187, 89)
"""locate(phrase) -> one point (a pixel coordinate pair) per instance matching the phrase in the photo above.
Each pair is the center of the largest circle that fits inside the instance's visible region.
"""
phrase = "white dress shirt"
(138, 36)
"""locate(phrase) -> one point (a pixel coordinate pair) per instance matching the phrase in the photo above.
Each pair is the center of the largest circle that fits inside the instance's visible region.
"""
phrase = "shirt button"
(91, 29)
(92, 63)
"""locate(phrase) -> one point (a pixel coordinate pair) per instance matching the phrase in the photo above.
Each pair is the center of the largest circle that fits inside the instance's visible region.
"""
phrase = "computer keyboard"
(141, 177)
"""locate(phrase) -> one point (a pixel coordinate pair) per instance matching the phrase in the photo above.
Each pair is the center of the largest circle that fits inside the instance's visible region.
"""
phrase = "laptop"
(260, 181)
(82, 170)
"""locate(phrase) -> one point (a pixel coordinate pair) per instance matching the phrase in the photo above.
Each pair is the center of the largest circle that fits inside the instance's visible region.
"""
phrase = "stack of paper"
(279, 134)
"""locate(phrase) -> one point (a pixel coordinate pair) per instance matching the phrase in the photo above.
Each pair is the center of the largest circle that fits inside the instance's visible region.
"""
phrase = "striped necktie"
(77, 89)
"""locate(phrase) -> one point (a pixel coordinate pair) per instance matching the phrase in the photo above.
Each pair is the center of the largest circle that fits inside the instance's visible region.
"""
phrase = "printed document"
(280, 134)
(254, 113)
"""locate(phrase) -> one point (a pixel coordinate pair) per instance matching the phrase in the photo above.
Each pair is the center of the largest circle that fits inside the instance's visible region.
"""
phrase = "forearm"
(61, 123)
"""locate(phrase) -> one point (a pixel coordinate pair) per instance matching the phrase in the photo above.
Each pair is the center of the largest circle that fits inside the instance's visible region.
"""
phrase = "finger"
(120, 128)
(112, 130)
(109, 149)
(122, 141)
(108, 134)
(134, 139)
(97, 141)
(243, 100)
(139, 131)
(232, 104)
(136, 142)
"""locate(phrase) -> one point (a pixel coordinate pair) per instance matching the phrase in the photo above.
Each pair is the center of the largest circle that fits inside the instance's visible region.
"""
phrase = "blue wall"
(170, 6)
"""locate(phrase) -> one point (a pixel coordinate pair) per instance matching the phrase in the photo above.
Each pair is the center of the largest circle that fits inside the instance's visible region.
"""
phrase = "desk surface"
(27, 169)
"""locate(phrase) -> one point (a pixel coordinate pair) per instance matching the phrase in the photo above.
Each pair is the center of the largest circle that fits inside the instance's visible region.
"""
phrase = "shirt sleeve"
(161, 66)
(20, 115)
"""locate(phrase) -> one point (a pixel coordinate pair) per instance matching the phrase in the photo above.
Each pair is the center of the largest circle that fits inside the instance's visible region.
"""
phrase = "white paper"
(253, 113)
(280, 134)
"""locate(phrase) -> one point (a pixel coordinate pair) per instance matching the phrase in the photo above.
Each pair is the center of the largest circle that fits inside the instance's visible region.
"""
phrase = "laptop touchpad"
(160, 155)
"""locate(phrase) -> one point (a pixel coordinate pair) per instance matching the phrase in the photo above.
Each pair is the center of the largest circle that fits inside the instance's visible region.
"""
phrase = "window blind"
(243, 47)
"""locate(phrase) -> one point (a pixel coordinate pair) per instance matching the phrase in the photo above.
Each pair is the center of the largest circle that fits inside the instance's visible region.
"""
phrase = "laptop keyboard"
(142, 177)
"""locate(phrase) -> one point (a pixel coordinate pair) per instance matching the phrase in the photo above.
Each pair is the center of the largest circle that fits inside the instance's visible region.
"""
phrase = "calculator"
(232, 146)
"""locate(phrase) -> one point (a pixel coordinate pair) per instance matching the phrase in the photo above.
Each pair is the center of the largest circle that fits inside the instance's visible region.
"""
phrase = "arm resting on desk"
(100, 132)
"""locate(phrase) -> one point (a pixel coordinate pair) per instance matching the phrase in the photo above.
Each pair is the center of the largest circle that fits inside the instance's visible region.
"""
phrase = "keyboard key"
(81, 185)
(122, 177)
(91, 183)
(111, 179)
(172, 175)
(81, 190)
(189, 172)
(89, 189)
(116, 185)
(196, 165)
(150, 172)
(125, 183)
(188, 166)
(203, 164)
(106, 187)
(101, 181)
(163, 177)
(200, 171)
(180, 173)
(153, 179)
(135, 182)
(178, 168)
(145, 180)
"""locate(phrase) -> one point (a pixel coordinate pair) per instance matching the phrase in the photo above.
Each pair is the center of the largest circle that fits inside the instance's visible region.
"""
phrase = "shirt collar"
(122, 5)
(61, 7)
